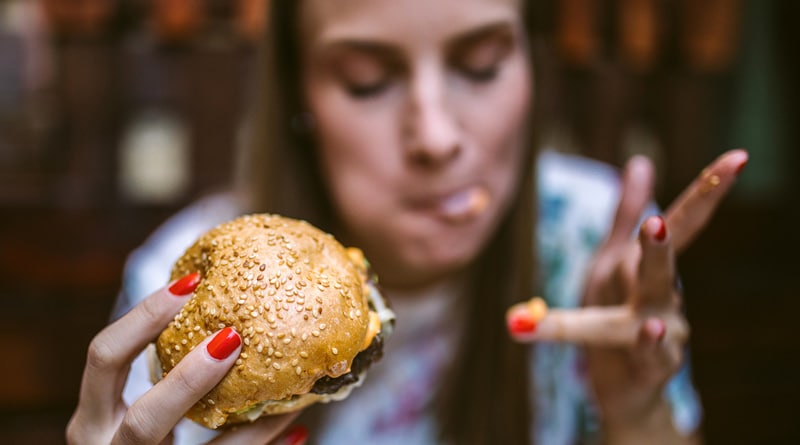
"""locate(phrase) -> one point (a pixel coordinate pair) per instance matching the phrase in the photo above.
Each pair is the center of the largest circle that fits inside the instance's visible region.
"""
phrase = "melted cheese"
(372, 330)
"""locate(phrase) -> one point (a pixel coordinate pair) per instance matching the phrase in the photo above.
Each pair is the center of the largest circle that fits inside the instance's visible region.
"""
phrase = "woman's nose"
(433, 133)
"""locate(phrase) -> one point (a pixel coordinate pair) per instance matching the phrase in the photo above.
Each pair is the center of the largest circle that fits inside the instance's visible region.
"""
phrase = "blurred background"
(116, 113)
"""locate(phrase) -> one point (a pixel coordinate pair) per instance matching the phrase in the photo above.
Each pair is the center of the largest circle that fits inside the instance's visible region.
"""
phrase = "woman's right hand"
(102, 417)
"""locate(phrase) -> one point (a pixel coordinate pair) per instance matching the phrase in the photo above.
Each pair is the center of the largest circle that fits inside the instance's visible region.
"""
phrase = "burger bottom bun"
(295, 403)
(214, 418)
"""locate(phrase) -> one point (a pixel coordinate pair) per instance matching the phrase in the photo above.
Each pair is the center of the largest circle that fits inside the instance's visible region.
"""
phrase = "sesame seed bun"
(300, 301)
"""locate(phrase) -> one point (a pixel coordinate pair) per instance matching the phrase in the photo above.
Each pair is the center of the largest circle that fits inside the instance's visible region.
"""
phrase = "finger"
(656, 268)
(592, 326)
(154, 414)
(637, 187)
(655, 358)
(265, 431)
(692, 210)
(604, 326)
(114, 348)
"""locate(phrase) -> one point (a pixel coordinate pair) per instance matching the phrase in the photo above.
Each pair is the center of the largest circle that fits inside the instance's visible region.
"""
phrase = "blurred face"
(419, 106)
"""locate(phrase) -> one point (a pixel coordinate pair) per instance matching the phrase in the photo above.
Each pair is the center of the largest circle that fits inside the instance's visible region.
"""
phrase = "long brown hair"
(485, 397)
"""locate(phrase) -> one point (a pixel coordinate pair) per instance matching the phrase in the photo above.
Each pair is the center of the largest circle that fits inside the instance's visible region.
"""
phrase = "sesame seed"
(322, 326)
(210, 402)
(278, 354)
(276, 365)
(315, 333)
(298, 370)
(304, 354)
(295, 362)
(335, 351)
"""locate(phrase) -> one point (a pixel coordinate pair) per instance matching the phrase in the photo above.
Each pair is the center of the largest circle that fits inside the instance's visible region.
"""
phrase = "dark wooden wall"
(65, 229)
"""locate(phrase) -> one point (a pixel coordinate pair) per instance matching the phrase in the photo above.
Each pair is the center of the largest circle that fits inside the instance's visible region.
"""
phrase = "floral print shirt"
(577, 199)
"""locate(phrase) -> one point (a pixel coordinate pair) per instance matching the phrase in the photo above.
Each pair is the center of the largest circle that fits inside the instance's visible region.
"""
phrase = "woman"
(404, 128)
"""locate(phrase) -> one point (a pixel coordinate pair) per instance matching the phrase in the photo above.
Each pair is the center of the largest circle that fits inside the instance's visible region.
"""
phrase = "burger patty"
(362, 361)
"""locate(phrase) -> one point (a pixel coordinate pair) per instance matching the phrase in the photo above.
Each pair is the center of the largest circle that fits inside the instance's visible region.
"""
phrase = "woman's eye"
(367, 90)
(481, 75)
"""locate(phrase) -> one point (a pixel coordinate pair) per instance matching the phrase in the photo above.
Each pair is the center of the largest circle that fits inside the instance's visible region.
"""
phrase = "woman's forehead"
(324, 21)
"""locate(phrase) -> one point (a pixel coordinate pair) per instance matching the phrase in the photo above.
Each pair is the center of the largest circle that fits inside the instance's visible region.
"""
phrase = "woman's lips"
(460, 206)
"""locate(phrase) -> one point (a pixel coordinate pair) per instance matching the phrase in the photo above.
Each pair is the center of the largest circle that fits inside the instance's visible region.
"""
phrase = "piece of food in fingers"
(309, 311)
(524, 318)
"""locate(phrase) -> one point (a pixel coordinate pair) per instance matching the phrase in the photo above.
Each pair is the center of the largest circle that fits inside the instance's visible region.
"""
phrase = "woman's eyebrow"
(372, 47)
(502, 28)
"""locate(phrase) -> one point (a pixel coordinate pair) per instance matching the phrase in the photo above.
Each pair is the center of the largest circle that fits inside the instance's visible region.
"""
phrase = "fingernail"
(223, 344)
(521, 324)
(741, 167)
(661, 233)
(657, 327)
(185, 285)
(296, 435)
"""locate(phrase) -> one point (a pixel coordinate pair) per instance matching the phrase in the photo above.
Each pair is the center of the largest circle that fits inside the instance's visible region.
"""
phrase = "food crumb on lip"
(464, 205)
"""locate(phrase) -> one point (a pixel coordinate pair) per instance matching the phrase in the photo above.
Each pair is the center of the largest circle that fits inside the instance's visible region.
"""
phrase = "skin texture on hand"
(632, 325)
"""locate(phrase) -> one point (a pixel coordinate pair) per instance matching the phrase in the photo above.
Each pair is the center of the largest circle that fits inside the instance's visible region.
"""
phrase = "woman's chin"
(422, 270)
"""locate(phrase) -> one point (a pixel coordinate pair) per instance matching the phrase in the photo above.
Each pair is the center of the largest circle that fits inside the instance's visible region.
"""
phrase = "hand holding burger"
(226, 357)
(309, 314)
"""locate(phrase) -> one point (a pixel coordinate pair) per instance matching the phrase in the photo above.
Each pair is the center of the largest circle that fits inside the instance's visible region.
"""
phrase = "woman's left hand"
(632, 324)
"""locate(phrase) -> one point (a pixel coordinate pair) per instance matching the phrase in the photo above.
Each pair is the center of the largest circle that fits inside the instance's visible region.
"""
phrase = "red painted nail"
(296, 435)
(185, 285)
(520, 324)
(659, 328)
(661, 233)
(741, 167)
(224, 343)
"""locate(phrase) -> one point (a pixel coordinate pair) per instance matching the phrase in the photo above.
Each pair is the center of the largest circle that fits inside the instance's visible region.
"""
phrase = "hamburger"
(309, 312)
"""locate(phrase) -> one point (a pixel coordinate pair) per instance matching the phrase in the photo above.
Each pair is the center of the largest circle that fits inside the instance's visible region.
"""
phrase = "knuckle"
(185, 383)
(74, 434)
(82, 429)
(101, 355)
(151, 313)
(134, 428)
(681, 330)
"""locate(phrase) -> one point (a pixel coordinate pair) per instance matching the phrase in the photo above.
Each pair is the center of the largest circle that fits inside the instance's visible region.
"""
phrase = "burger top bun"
(296, 296)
